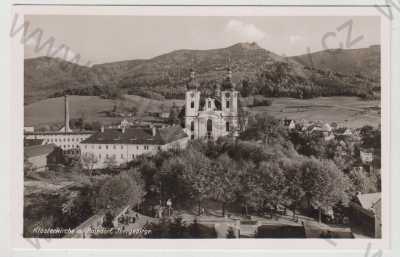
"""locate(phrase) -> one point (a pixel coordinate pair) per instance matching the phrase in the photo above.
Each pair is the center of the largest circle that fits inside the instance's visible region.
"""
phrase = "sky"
(102, 39)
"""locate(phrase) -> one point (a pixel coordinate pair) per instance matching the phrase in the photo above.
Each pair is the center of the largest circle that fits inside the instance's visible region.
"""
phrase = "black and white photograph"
(202, 126)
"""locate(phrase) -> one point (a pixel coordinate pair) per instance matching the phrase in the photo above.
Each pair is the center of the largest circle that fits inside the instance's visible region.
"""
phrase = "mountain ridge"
(165, 76)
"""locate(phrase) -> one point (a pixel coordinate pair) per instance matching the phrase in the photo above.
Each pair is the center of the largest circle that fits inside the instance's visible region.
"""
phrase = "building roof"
(368, 201)
(31, 142)
(137, 136)
(38, 150)
(85, 132)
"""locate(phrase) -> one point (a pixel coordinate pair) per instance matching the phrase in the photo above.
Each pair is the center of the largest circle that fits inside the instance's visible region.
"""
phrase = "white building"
(67, 141)
(213, 116)
(123, 145)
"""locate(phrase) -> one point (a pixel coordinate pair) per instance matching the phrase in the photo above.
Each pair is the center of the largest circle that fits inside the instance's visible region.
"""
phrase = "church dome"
(192, 84)
(227, 83)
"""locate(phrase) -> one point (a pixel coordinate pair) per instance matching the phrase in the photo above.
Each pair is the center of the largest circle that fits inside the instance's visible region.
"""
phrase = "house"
(41, 156)
(365, 214)
(366, 156)
(29, 129)
(119, 146)
(290, 124)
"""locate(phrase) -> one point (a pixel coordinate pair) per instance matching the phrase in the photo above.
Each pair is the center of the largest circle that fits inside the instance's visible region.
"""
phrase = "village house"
(365, 214)
(41, 156)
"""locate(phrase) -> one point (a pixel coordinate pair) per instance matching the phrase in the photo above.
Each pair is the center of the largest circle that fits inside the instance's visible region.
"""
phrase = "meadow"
(346, 111)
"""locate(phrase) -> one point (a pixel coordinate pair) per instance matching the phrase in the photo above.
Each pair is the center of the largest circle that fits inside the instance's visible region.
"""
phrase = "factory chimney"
(66, 126)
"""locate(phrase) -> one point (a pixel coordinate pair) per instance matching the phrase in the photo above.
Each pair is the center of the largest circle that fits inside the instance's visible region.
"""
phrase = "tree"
(110, 162)
(246, 89)
(121, 190)
(324, 184)
(28, 166)
(293, 179)
(198, 174)
(89, 161)
(274, 183)
(250, 189)
(362, 182)
(174, 115)
(264, 127)
(224, 181)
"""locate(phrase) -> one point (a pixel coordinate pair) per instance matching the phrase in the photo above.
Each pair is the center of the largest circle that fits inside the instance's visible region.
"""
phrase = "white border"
(271, 245)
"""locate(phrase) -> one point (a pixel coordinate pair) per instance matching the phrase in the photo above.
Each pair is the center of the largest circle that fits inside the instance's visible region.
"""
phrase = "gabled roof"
(139, 136)
(368, 201)
(38, 150)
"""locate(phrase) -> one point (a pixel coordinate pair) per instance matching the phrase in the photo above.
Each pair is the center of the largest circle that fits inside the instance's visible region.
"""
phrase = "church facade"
(214, 115)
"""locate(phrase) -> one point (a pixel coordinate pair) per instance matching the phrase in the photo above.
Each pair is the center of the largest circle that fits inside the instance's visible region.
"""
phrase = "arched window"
(227, 104)
(209, 104)
(192, 125)
(227, 126)
(192, 104)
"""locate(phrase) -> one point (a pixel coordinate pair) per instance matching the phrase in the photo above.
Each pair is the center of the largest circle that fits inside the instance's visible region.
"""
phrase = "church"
(212, 116)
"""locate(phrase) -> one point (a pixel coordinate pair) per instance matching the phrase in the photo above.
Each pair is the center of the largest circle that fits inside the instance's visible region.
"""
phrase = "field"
(346, 111)
(91, 108)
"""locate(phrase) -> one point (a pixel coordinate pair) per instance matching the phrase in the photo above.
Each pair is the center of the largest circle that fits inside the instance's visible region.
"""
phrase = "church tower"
(229, 95)
(192, 105)
(229, 104)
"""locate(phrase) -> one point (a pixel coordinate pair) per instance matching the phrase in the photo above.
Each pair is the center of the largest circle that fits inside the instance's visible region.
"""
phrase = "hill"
(255, 71)
(363, 61)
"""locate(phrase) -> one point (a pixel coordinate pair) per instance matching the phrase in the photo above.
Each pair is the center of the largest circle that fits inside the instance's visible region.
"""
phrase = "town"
(207, 169)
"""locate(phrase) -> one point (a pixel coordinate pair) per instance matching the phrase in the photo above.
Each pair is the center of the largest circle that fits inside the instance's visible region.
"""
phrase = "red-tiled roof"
(139, 136)
(37, 150)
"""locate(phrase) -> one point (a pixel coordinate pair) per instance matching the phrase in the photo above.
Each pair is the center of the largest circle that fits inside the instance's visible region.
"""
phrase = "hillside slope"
(255, 71)
(364, 61)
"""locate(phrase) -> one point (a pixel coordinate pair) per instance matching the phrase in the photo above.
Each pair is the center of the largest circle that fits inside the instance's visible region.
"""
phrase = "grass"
(92, 108)
(346, 111)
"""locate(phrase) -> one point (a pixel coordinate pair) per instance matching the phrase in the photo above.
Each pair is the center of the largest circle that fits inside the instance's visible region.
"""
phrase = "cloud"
(241, 31)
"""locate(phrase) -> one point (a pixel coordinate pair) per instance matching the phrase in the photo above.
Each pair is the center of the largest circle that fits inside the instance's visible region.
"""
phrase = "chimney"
(66, 126)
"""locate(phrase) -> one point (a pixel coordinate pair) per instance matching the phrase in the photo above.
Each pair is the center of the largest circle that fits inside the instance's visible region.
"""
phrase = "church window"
(192, 104)
(133, 156)
(99, 146)
(227, 126)
(122, 156)
(209, 104)
(192, 136)
(192, 125)
(227, 104)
